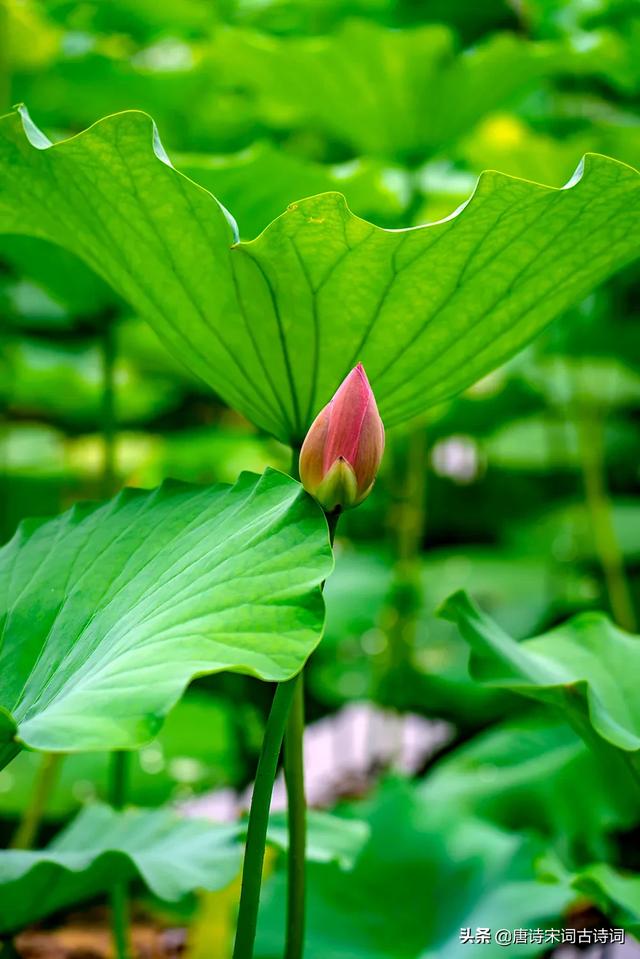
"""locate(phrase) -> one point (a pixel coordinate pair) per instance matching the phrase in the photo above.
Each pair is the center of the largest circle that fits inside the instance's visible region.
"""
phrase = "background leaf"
(587, 667)
(416, 73)
(534, 773)
(171, 856)
(197, 748)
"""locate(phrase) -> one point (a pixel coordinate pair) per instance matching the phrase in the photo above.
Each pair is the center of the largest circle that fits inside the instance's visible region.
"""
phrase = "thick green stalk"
(296, 805)
(119, 892)
(259, 819)
(287, 713)
(297, 808)
(27, 831)
(120, 924)
(297, 823)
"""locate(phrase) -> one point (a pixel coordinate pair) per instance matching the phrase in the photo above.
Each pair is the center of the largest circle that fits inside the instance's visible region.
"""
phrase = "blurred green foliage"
(523, 490)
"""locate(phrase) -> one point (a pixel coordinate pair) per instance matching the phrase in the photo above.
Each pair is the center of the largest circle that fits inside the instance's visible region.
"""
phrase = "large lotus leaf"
(535, 773)
(171, 856)
(275, 324)
(427, 92)
(422, 876)
(587, 667)
(108, 611)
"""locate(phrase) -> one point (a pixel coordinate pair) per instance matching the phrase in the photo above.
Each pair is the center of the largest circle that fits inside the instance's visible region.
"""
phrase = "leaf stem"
(259, 819)
(287, 712)
(118, 778)
(27, 831)
(297, 823)
(120, 919)
(591, 445)
(297, 806)
(120, 926)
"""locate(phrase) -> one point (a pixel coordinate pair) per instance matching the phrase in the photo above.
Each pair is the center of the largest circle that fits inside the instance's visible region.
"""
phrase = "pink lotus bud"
(341, 453)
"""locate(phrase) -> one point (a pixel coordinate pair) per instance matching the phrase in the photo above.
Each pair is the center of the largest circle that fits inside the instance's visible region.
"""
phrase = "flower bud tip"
(342, 451)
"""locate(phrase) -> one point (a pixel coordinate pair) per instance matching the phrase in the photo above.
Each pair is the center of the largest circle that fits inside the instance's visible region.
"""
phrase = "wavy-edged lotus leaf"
(172, 856)
(273, 325)
(109, 610)
(587, 667)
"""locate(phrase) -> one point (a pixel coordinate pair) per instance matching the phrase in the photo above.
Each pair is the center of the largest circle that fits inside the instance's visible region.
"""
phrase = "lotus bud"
(341, 453)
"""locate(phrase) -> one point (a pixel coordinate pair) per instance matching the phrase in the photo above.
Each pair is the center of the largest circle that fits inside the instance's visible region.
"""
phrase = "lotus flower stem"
(297, 823)
(297, 809)
(119, 891)
(259, 819)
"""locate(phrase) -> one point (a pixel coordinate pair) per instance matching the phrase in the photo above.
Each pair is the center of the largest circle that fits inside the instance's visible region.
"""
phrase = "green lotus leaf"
(171, 856)
(273, 325)
(109, 611)
(428, 92)
(587, 667)
(535, 773)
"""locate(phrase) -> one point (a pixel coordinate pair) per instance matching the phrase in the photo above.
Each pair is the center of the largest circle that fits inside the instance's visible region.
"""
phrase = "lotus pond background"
(463, 803)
